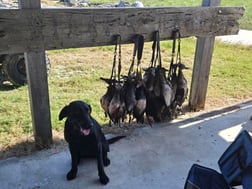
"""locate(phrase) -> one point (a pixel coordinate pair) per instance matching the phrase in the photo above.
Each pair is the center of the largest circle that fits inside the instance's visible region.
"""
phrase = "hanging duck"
(182, 89)
(177, 77)
(113, 100)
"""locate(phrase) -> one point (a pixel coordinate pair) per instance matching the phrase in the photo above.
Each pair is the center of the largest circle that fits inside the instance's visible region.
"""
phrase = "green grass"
(75, 75)
(232, 67)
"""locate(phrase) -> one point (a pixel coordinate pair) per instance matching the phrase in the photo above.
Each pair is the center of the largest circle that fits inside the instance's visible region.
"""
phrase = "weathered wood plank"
(38, 89)
(39, 98)
(44, 29)
(201, 72)
(201, 68)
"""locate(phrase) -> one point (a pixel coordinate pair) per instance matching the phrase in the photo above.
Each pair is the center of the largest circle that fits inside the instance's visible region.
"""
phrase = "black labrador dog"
(85, 138)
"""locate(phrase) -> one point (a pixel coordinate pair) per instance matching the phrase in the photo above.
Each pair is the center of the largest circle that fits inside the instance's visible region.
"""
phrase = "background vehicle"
(12, 69)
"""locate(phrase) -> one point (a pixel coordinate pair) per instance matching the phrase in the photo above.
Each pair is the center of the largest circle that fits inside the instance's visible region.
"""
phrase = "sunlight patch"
(230, 133)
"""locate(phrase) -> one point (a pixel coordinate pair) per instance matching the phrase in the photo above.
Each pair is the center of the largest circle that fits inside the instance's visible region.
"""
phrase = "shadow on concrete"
(28, 147)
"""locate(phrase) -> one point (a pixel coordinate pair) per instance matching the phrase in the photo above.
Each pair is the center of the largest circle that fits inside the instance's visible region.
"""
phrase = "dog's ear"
(64, 112)
(90, 109)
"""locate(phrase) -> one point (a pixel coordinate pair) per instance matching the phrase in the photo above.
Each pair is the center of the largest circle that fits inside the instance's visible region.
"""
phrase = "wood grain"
(44, 29)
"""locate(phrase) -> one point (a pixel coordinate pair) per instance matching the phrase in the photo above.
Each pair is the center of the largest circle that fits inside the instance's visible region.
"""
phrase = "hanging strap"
(178, 58)
(131, 69)
(156, 53)
(153, 51)
(140, 53)
(174, 37)
(158, 57)
(113, 71)
(119, 58)
(116, 76)
(137, 51)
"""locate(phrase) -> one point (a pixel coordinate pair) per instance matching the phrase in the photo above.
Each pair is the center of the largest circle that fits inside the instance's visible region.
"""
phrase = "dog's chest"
(87, 145)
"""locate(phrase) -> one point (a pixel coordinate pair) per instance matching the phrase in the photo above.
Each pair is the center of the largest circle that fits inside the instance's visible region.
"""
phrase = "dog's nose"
(90, 126)
(90, 122)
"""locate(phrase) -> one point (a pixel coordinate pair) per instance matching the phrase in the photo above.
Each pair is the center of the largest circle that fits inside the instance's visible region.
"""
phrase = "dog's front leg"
(75, 161)
(102, 175)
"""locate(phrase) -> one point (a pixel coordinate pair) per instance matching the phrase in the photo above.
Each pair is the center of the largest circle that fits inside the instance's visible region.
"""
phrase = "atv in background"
(12, 69)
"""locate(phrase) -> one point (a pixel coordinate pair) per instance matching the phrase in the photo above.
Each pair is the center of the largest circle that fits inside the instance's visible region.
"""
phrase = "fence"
(33, 30)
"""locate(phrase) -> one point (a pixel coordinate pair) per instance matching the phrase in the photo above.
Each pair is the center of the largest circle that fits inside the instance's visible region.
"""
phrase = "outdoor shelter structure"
(32, 30)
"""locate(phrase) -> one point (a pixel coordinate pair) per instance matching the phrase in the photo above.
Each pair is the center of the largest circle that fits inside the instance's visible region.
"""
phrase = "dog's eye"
(88, 110)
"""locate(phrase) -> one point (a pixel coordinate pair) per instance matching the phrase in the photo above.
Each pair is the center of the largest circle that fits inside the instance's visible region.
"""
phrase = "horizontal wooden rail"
(44, 29)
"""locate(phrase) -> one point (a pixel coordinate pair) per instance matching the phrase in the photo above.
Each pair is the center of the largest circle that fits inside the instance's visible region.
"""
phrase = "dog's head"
(78, 116)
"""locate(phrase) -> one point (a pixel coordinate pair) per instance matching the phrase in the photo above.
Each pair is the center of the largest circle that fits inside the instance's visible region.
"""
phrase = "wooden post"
(201, 68)
(38, 89)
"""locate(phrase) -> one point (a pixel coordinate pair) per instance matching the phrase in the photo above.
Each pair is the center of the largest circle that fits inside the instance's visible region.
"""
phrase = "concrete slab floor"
(151, 157)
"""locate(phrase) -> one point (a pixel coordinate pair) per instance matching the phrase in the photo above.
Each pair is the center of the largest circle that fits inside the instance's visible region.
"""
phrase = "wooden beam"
(201, 68)
(38, 89)
(44, 29)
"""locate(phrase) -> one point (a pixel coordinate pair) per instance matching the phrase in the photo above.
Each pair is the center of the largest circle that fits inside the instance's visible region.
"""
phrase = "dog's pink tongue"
(85, 131)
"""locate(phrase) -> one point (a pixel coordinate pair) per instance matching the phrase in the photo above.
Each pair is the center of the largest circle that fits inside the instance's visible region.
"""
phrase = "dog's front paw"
(106, 162)
(104, 179)
(71, 174)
